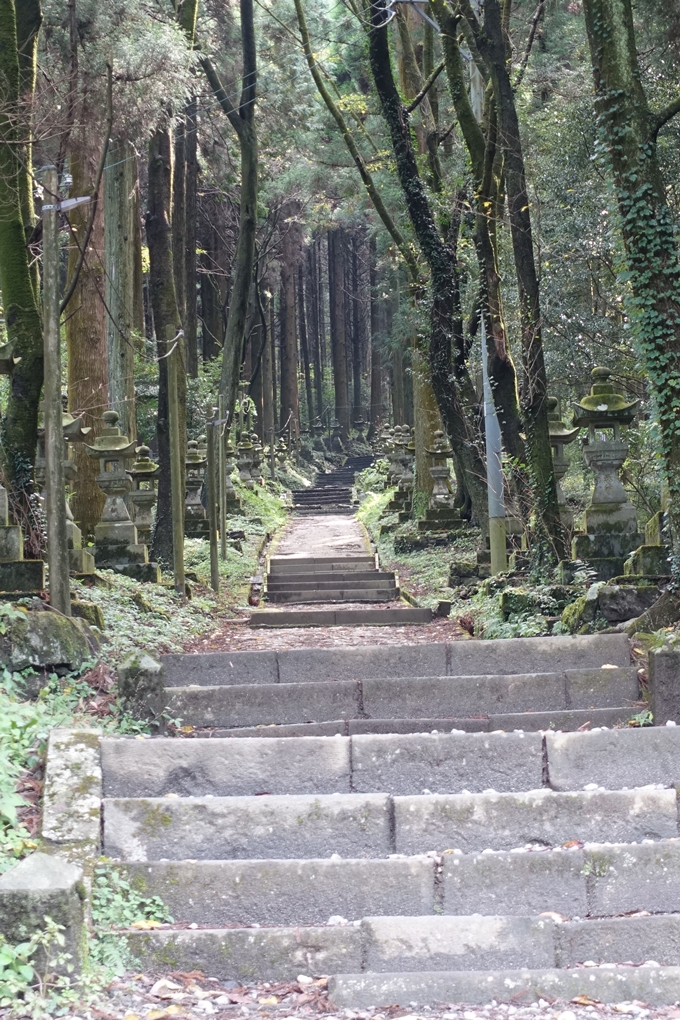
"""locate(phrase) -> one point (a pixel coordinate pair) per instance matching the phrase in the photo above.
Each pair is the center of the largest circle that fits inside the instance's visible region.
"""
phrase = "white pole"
(494, 446)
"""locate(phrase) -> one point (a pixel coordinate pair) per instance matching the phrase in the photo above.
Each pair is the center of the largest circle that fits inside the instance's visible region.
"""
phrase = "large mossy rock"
(41, 638)
(607, 604)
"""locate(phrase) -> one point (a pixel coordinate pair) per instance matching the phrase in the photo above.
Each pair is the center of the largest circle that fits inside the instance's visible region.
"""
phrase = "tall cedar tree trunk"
(166, 319)
(336, 298)
(445, 318)
(493, 45)
(22, 316)
(243, 122)
(272, 362)
(122, 237)
(267, 382)
(290, 397)
(312, 305)
(191, 186)
(321, 307)
(376, 412)
(355, 295)
(86, 326)
(304, 344)
(629, 129)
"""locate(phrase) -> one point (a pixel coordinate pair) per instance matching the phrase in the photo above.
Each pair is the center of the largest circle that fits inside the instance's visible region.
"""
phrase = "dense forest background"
(254, 217)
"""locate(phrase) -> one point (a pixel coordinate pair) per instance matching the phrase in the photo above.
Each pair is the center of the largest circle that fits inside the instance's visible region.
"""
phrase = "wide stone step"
(304, 595)
(380, 698)
(531, 722)
(285, 892)
(408, 944)
(446, 763)
(378, 582)
(403, 764)
(300, 511)
(458, 658)
(376, 825)
(336, 578)
(314, 564)
(655, 986)
(396, 617)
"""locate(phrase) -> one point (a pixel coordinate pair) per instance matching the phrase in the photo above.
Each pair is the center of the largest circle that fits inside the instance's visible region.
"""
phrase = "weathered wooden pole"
(272, 455)
(222, 475)
(213, 435)
(177, 494)
(57, 537)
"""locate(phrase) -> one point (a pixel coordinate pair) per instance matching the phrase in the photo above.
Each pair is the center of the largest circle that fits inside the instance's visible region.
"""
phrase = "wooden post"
(57, 538)
(213, 434)
(222, 475)
(177, 494)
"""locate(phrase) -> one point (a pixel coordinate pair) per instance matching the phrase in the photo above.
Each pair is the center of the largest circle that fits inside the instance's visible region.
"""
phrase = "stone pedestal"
(115, 537)
(244, 453)
(652, 558)
(560, 436)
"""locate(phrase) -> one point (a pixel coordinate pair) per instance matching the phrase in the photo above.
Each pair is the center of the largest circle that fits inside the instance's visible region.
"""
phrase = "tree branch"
(221, 94)
(663, 116)
(538, 14)
(95, 192)
(426, 88)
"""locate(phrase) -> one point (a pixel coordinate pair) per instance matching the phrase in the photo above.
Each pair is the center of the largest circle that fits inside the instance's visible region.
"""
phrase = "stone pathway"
(322, 535)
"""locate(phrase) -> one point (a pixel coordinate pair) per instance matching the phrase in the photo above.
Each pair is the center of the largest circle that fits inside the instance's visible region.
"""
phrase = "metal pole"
(494, 471)
(212, 507)
(494, 446)
(222, 476)
(177, 489)
(57, 537)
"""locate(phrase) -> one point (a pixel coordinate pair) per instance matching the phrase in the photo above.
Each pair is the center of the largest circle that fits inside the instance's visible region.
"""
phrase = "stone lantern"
(195, 517)
(115, 537)
(244, 452)
(442, 495)
(144, 495)
(282, 453)
(359, 426)
(407, 459)
(560, 436)
(258, 453)
(317, 433)
(337, 444)
(232, 502)
(610, 519)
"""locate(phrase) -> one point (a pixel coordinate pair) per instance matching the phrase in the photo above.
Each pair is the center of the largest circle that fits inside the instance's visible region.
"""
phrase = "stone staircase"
(422, 823)
(332, 493)
(329, 579)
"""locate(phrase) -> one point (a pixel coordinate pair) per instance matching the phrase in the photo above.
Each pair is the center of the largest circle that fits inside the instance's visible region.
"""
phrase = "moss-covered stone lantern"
(560, 436)
(144, 495)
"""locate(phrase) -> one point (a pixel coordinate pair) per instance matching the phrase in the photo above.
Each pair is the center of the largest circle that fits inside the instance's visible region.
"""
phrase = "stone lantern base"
(116, 548)
(16, 573)
(442, 518)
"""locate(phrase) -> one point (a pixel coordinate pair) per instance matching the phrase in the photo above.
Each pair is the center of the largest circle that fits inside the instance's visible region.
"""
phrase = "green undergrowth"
(423, 573)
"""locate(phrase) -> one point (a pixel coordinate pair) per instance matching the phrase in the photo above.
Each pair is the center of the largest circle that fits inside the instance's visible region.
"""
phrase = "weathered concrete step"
(285, 892)
(404, 764)
(397, 617)
(335, 576)
(655, 986)
(396, 944)
(447, 763)
(459, 658)
(529, 722)
(295, 564)
(353, 579)
(375, 825)
(300, 511)
(596, 880)
(368, 593)
(253, 704)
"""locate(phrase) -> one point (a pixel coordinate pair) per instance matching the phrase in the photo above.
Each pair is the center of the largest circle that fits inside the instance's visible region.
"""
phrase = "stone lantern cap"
(144, 467)
(604, 407)
(442, 447)
(7, 359)
(73, 428)
(195, 456)
(559, 432)
(111, 444)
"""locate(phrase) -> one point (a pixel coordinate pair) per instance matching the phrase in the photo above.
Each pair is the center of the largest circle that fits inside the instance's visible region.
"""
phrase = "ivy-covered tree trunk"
(336, 295)
(22, 316)
(29, 19)
(290, 397)
(445, 319)
(376, 407)
(629, 131)
(304, 343)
